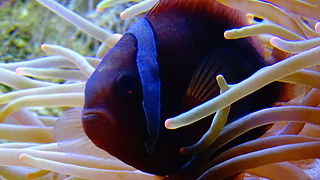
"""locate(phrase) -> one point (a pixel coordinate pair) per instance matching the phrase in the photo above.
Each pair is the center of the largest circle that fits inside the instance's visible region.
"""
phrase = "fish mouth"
(98, 114)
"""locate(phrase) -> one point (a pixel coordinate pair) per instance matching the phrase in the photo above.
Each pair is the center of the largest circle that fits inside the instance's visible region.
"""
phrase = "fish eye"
(127, 85)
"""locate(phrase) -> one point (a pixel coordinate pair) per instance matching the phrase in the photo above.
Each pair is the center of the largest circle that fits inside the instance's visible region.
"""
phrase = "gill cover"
(150, 79)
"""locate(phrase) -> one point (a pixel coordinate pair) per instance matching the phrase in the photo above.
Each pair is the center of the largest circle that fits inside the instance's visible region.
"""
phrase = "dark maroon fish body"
(191, 51)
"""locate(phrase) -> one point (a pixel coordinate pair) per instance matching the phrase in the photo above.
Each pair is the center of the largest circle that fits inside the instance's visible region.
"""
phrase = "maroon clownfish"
(165, 65)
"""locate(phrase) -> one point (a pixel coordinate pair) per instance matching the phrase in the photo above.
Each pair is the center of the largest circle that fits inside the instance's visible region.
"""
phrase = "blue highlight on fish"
(150, 78)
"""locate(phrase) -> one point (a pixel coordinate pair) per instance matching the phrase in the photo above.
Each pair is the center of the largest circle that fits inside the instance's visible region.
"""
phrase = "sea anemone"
(289, 32)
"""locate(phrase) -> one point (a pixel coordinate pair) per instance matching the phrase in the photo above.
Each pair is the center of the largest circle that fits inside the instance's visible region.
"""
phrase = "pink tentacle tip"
(182, 150)
(19, 71)
(225, 34)
(118, 36)
(317, 27)
(43, 46)
(99, 10)
(123, 16)
(22, 157)
(168, 124)
(274, 40)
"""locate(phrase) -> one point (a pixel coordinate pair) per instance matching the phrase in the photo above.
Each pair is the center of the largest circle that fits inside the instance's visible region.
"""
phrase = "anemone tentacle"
(292, 27)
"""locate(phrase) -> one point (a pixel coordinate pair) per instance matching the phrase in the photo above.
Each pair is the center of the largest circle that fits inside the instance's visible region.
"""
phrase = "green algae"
(25, 25)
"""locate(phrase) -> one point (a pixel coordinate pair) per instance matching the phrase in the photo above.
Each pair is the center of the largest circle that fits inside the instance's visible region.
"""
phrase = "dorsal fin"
(213, 8)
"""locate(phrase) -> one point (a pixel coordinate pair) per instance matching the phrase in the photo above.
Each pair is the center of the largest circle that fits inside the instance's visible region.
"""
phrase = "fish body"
(190, 52)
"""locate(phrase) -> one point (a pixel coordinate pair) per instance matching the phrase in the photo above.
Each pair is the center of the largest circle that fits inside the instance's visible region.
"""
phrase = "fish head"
(113, 116)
